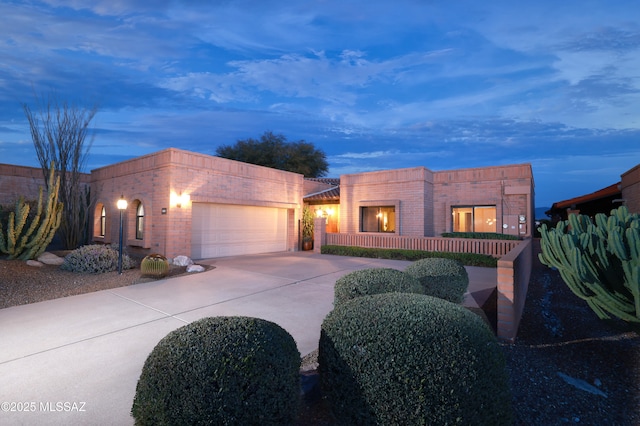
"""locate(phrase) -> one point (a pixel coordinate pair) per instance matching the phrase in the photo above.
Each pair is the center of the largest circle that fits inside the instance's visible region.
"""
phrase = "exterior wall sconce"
(179, 200)
(122, 206)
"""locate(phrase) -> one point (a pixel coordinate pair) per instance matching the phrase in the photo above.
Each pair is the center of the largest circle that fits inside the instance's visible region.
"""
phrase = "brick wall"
(158, 180)
(509, 188)
(424, 199)
(21, 181)
(407, 189)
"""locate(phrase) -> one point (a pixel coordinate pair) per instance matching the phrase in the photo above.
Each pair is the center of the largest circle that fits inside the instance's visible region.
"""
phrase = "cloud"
(604, 39)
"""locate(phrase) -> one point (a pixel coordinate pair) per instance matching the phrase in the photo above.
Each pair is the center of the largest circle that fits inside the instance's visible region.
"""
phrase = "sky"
(374, 84)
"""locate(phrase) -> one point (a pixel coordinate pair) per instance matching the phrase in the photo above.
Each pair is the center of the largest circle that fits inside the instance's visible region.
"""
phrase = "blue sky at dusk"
(374, 84)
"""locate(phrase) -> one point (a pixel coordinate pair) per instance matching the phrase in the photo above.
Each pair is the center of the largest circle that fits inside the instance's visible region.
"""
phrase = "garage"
(220, 230)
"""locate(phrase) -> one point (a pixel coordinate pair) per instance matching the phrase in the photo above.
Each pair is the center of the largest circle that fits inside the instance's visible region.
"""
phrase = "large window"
(474, 219)
(139, 222)
(378, 219)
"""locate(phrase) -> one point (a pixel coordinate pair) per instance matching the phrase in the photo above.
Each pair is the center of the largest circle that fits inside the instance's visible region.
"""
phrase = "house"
(181, 202)
(422, 203)
(601, 201)
(630, 188)
(625, 192)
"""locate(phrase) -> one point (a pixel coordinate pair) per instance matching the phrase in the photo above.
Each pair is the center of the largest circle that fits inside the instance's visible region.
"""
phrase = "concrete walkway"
(77, 360)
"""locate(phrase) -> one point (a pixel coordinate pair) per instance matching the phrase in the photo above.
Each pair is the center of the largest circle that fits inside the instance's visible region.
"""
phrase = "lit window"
(139, 222)
(474, 219)
(378, 219)
(103, 221)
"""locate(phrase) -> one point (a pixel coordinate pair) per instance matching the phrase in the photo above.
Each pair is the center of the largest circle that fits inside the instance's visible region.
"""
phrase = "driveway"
(76, 360)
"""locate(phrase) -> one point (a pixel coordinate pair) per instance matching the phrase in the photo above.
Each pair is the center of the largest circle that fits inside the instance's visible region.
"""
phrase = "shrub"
(442, 278)
(480, 235)
(400, 358)
(374, 281)
(220, 370)
(95, 259)
(469, 259)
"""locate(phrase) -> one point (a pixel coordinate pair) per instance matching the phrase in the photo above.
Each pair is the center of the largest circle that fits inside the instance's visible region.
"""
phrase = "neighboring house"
(202, 206)
(626, 192)
(630, 187)
(601, 201)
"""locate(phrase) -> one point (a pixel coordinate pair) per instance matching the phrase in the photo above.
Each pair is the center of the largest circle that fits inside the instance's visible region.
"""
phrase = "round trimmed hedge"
(220, 370)
(443, 278)
(366, 282)
(401, 358)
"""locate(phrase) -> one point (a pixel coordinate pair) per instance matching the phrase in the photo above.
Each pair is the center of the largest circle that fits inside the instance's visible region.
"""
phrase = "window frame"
(103, 222)
(473, 217)
(390, 208)
(140, 221)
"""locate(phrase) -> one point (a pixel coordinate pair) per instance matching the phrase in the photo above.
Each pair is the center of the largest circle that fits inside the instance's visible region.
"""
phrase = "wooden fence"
(495, 248)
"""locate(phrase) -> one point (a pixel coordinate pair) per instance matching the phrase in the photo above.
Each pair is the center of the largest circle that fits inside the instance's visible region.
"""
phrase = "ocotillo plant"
(600, 262)
(28, 242)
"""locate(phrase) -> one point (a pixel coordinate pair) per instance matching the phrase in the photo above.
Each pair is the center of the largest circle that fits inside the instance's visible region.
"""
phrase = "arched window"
(103, 221)
(140, 222)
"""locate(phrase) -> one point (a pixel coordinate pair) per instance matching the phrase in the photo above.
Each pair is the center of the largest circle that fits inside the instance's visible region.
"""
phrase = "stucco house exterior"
(198, 205)
(202, 206)
(423, 203)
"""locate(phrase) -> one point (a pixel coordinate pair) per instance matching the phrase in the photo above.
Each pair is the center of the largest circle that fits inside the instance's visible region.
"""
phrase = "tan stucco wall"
(630, 185)
(409, 190)
(425, 198)
(157, 179)
(510, 188)
(21, 181)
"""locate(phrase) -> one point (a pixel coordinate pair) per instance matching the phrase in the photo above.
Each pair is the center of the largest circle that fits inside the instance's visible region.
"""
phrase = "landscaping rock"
(195, 268)
(50, 259)
(182, 261)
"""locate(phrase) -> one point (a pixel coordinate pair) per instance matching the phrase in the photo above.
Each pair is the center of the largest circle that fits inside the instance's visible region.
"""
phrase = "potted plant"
(307, 229)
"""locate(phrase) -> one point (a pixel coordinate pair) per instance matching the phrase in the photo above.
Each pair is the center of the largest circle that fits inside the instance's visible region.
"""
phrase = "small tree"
(276, 152)
(600, 262)
(307, 224)
(59, 132)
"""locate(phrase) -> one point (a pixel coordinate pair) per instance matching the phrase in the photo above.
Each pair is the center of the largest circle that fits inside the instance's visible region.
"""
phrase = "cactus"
(600, 262)
(154, 265)
(27, 244)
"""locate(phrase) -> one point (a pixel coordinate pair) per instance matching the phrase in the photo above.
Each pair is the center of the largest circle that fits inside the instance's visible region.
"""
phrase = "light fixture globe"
(122, 203)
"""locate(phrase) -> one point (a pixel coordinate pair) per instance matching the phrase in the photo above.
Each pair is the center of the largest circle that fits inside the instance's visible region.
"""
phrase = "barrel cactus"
(599, 260)
(154, 265)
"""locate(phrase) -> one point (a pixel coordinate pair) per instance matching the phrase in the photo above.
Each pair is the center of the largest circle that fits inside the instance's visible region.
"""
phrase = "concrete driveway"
(77, 360)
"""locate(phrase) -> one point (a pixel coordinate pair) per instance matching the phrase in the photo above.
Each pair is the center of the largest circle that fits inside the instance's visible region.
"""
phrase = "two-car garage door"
(220, 230)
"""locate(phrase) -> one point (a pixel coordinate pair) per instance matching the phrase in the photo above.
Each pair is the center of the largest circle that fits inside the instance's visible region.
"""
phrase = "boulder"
(182, 261)
(195, 268)
(50, 259)
(35, 263)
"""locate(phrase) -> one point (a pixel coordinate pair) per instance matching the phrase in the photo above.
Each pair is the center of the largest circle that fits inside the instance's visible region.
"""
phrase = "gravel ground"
(566, 366)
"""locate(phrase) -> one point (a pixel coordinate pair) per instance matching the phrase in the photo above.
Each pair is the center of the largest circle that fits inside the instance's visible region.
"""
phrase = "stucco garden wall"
(21, 181)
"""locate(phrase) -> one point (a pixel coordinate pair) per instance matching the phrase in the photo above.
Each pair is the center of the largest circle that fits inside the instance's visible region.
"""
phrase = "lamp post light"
(122, 206)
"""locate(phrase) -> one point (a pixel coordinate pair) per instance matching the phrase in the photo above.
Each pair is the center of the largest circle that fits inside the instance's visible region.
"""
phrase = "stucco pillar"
(319, 233)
